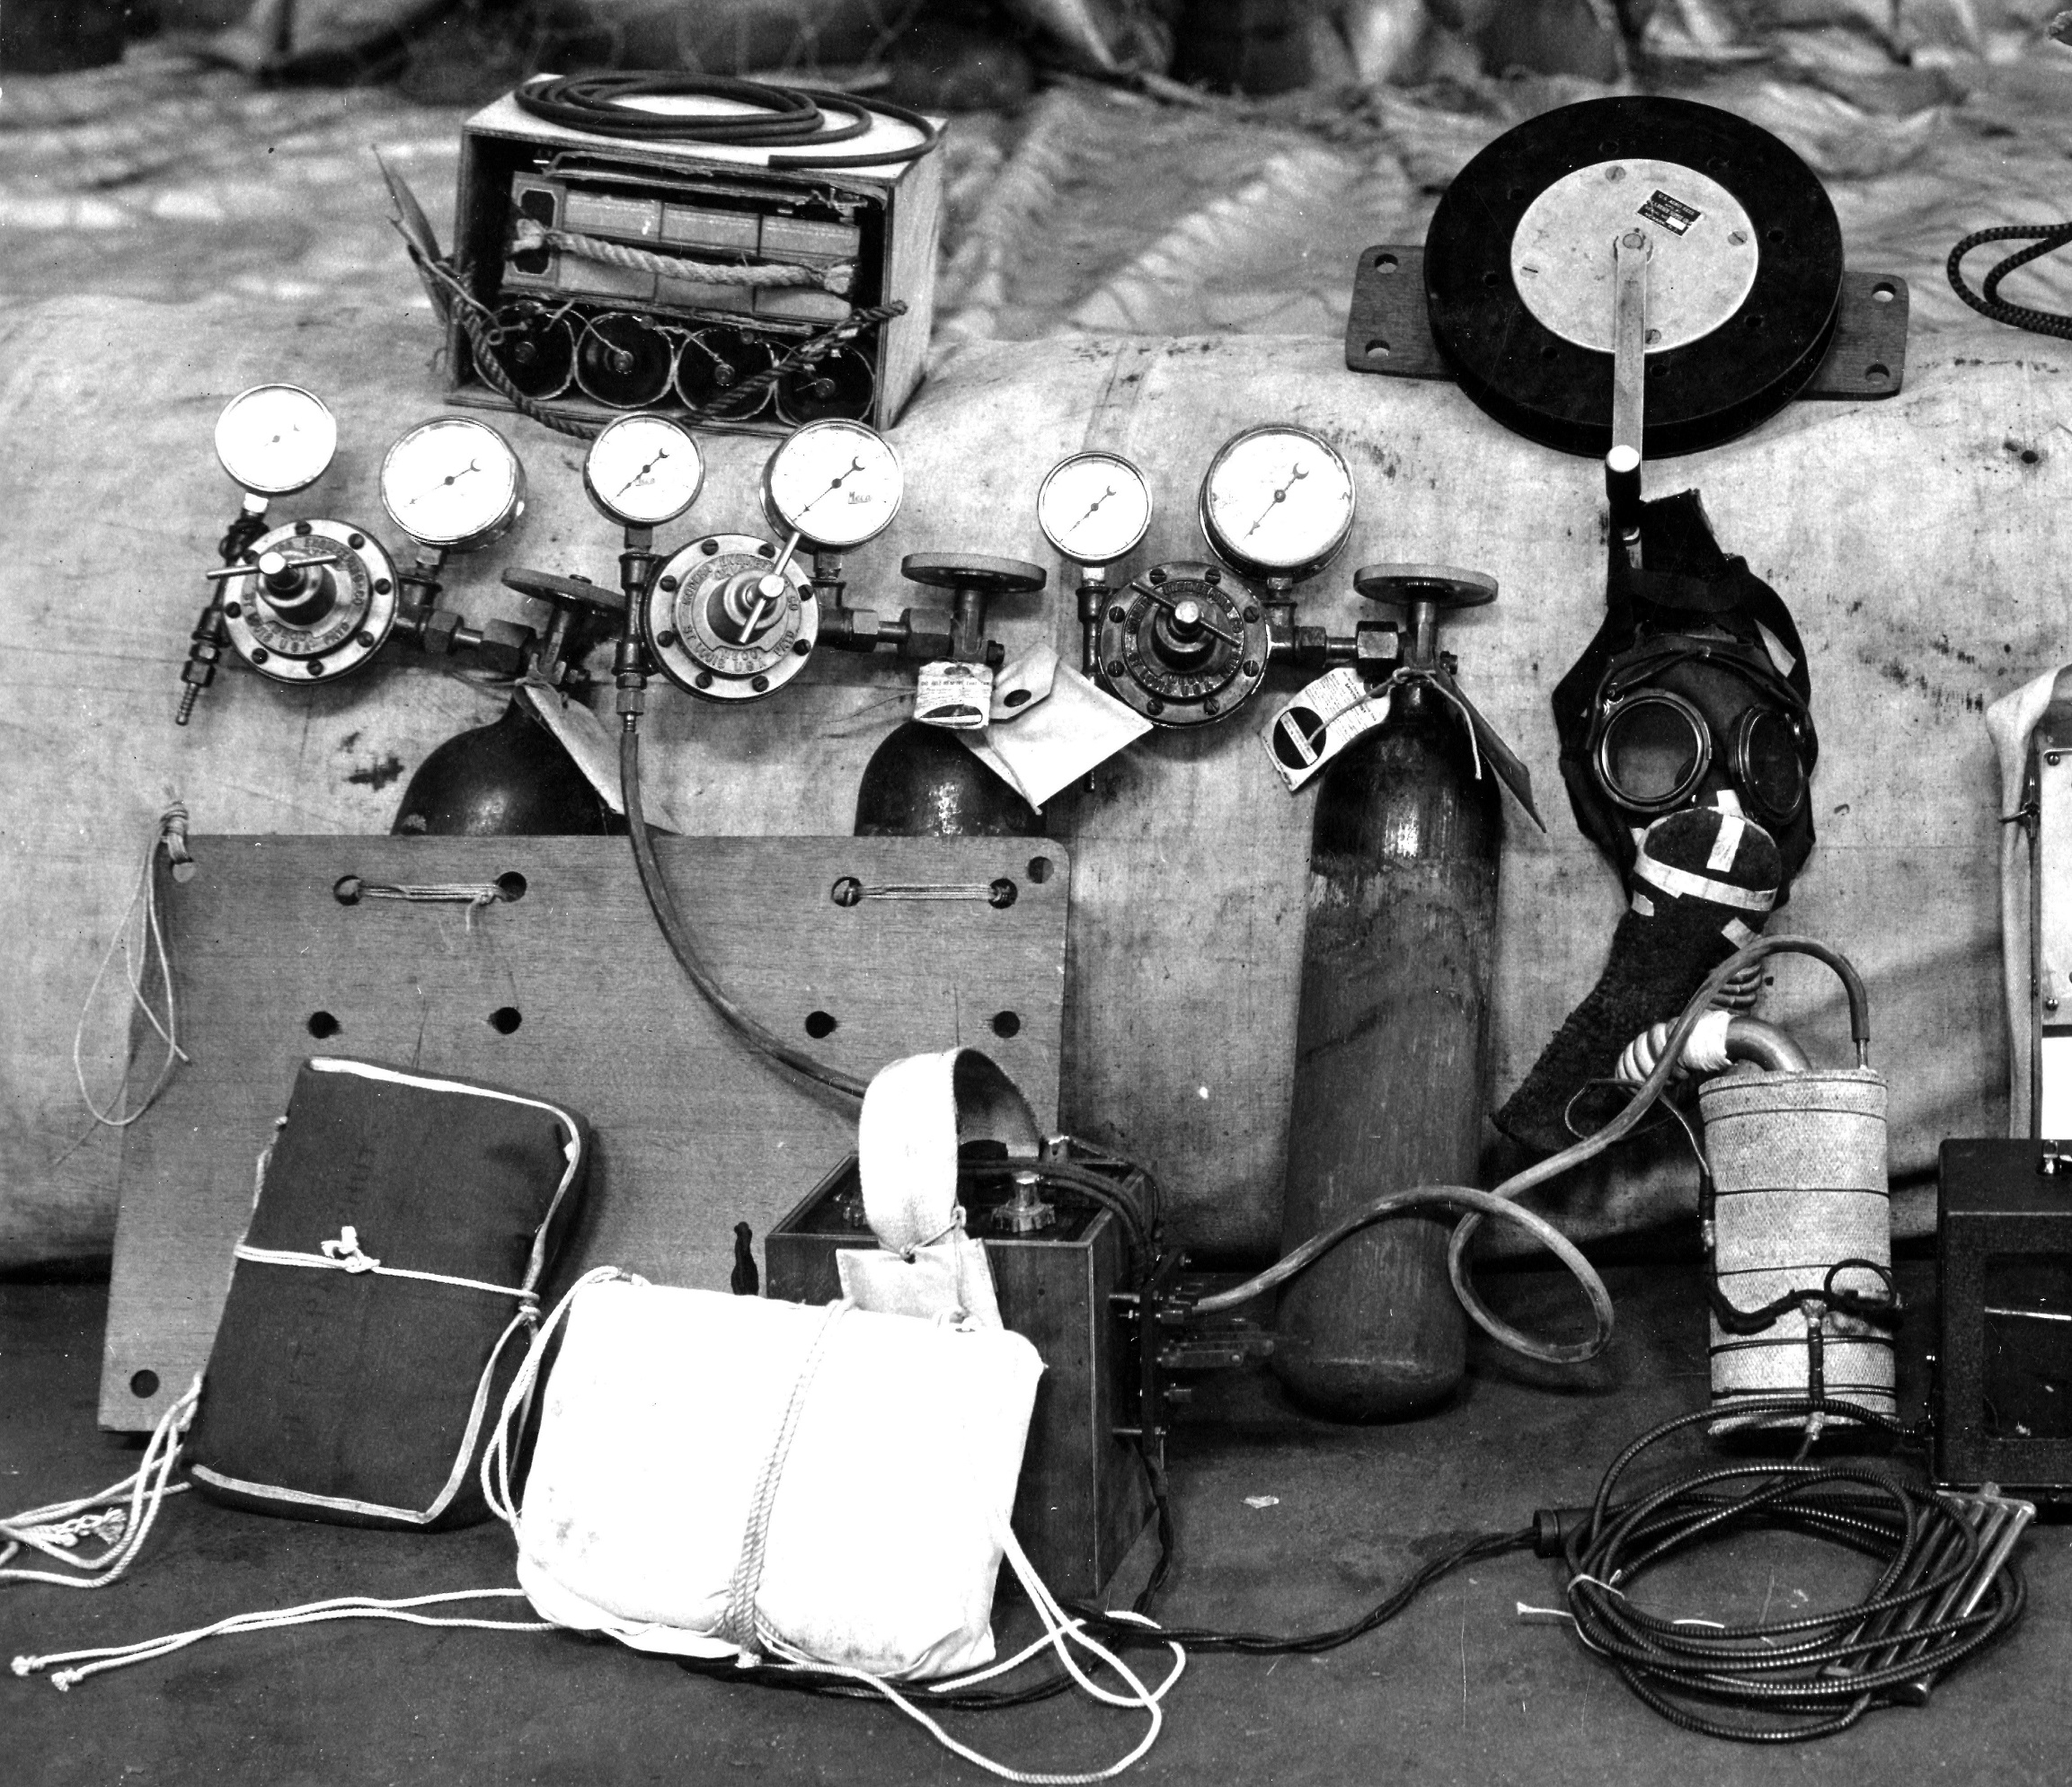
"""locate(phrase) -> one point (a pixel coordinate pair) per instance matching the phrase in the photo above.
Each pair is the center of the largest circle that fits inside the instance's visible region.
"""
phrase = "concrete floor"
(1459, 1690)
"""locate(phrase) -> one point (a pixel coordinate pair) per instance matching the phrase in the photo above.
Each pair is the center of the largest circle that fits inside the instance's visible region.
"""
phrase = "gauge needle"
(1202, 611)
(1092, 506)
(1294, 477)
(451, 478)
(855, 465)
(641, 476)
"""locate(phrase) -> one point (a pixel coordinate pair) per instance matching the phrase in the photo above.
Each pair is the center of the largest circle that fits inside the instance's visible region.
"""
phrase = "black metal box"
(1082, 1500)
(2003, 1398)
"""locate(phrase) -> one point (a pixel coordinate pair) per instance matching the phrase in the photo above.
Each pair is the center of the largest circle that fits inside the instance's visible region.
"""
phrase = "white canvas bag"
(718, 1474)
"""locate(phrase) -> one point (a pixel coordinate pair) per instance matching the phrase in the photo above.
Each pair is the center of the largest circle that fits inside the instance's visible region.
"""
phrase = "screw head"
(382, 586)
(705, 679)
(1116, 669)
(1155, 706)
(1117, 615)
(365, 641)
(759, 684)
(1212, 575)
(235, 610)
(1158, 574)
(315, 668)
(260, 654)
(801, 646)
(669, 584)
(356, 541)
(1251, 667)
(666, 638)
(302, 527)
(1211, 705)
(708, 547)
(1252, 614)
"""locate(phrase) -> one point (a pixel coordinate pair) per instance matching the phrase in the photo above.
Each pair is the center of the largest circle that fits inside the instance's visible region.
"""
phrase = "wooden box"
(636, 192)
(1082, 1500)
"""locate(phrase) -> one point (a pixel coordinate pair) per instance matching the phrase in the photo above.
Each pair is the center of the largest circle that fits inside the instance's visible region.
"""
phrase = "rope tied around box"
(528, 235)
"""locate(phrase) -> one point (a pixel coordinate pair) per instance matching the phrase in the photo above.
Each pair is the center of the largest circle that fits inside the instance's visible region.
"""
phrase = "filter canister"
(1798, 1164)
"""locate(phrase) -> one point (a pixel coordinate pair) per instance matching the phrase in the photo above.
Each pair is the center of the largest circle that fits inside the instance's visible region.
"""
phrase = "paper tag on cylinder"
(1320, 722)
(956, 697)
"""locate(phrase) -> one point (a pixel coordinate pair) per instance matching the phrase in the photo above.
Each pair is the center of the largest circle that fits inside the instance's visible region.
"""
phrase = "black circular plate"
(1707, 391)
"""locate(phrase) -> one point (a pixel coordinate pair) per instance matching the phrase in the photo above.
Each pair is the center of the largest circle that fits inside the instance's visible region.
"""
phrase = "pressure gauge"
(835, 484)
(453, 482)
(1093, 507)
(727, 619)
(275, 438)
(642, 471)
(1277, 503)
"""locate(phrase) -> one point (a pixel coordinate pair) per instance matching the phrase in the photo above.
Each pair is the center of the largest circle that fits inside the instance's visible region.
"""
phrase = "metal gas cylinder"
(1390, 1087)
(920, 781)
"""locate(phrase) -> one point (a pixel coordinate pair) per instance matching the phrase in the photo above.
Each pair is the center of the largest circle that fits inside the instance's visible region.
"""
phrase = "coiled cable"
(2044, 239)
(778, 117)
(1819, 1672)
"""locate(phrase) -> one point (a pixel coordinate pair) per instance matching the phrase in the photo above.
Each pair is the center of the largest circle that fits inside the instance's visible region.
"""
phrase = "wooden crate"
(568, 992)
(900, 205)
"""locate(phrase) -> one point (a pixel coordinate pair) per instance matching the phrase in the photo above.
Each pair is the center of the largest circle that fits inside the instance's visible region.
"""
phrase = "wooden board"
(570, 992)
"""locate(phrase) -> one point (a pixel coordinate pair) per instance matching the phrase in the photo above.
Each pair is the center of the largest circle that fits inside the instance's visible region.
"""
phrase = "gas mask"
(1688, 747)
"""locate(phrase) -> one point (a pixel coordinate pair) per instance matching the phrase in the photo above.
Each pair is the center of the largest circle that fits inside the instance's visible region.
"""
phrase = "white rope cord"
(344, 1255)
(496, 1458)
(529, 235)
(428, 893)
(1060, 1634)
(314, 1612)
(55, 1529)
(171, 831)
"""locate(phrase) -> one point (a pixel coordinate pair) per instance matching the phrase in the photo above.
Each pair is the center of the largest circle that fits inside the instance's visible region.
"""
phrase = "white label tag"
(958, 696)
(1057, 740)
(1024, 684)
(1320, 722)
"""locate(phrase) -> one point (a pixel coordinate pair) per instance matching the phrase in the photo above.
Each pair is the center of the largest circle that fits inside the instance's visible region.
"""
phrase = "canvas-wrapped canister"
(1798, 1163)
(383, 1296)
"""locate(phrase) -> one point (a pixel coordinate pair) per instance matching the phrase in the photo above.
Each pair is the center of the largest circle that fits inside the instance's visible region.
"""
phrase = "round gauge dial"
(275, 439)
(453, 482)
(1278, 502)
(643, 471)
(724, 621)
(1093, 507)
(836, 483)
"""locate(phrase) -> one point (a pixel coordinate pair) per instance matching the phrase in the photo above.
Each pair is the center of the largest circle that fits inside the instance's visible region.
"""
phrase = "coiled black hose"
(2043, 238)
(781, 118)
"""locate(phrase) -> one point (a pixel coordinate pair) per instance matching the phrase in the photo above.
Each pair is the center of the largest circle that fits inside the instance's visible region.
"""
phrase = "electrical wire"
(779, 117)
(2044, 239)
(1791, 1679)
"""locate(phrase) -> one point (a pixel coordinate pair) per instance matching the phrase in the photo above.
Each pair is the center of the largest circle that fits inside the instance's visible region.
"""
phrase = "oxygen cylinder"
(1390, 1087)
(509, 779)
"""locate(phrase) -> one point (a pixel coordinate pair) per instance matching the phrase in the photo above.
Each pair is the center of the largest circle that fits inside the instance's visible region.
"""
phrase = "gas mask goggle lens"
(1656, 750)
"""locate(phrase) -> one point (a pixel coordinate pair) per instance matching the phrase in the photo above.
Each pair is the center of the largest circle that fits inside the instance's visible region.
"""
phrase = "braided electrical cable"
(1790, 1679)
(2044, 239)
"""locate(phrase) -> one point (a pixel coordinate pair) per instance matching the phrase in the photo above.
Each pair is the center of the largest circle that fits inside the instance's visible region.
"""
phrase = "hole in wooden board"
(1040, 869)
(1378, 349)
(511, 886)
(1877, 373)
(821, 1024)
(1003, 893)
(1386, 263)
(144, 1384)
(322, 1026)
(1007, 1024)
(505, 1020)
(848, 891)
(347, 888)
(1884, 291)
